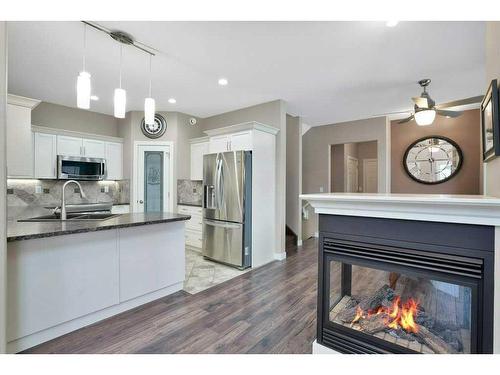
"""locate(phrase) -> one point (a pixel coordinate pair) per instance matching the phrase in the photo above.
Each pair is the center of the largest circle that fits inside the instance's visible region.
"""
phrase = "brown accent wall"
(464, 130)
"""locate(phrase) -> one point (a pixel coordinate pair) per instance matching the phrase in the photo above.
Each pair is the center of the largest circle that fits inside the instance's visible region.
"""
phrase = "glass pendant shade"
(120, 101)
(425, 117)
(149, 111)
(83, 90)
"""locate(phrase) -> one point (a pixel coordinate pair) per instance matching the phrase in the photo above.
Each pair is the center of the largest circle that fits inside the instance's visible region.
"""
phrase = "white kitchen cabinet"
(93, 148)
(219, 144)
(194, 226)
(241, 141)
(45, 155)
(231, 142)
(114, 160)
(198, 150)
(19, 136)
(69, 146)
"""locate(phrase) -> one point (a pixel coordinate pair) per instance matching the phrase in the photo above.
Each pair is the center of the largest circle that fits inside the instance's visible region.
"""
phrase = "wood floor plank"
(271, 309)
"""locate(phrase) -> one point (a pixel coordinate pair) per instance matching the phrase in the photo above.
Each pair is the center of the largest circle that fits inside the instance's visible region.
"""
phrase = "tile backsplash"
(189, 192)
(48, 192)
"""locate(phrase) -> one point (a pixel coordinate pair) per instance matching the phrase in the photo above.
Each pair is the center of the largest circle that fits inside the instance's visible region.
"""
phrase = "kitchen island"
(433, 258)
(62, 276)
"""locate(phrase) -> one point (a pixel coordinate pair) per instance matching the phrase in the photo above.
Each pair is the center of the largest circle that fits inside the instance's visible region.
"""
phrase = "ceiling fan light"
(149, 111)
(83, 90)
(120, 101)
(425, 117)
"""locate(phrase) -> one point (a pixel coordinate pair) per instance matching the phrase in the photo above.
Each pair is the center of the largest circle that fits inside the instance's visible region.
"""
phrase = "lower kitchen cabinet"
(194, 226)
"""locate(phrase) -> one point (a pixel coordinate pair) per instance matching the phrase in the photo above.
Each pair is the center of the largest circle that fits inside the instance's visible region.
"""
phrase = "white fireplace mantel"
(463, 209)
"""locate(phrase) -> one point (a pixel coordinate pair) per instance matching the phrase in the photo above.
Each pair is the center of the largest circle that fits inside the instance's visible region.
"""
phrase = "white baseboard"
(320, 349)
(280, 256)
(299, 243)
(316, 234)
(37, 338)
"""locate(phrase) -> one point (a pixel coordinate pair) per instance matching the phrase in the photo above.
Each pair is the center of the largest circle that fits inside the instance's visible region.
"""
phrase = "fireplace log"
(434, 342)
(374, 323)
(375, 300)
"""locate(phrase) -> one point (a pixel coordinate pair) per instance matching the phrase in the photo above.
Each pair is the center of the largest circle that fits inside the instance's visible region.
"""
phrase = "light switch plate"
(38, 189)
(106, 188)
(321, 189)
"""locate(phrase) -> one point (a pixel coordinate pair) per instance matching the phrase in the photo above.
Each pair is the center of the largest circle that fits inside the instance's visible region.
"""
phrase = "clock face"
(432, 160)
(156, 129)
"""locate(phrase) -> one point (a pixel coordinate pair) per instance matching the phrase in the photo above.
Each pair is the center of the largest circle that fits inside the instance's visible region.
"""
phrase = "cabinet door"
(197, 152)
(219, 143)
(241, 141)
(45, 155)
(114, 163)
(70, 146)
(93, 148)
(19, 141)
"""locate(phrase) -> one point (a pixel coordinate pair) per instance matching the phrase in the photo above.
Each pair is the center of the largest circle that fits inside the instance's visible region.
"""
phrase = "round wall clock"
(155, 130)
(432, 160)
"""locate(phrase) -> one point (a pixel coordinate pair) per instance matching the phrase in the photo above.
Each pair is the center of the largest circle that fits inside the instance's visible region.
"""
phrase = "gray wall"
(179, 131)
(3, 186)
(316, 145)
(80, 120)
(293, 174)
(492, 168)
(273, 114)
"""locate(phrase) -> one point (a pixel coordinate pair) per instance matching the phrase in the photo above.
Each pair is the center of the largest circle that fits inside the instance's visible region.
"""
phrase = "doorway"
(153, 177)
(354, 167)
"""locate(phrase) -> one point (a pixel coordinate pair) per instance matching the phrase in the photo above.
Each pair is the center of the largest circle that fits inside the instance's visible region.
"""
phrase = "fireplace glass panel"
(418, 313)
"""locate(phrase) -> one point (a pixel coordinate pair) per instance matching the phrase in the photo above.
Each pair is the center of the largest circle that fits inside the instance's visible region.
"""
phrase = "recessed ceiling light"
(94, 97)
(391, 23)
(172, 101)
(223, 81)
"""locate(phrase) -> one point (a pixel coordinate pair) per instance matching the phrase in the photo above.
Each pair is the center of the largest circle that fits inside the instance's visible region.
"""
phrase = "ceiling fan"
(425, 109)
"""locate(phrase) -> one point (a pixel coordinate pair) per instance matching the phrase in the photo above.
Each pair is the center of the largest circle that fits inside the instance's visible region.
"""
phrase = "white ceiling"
(327, 72)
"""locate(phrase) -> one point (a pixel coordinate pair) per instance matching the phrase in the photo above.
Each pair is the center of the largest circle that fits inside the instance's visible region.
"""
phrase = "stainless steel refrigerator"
(227, 208)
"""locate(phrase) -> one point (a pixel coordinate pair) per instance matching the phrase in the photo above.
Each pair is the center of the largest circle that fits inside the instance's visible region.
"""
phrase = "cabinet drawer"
(195, 223)
(194, 238)
(189, 210)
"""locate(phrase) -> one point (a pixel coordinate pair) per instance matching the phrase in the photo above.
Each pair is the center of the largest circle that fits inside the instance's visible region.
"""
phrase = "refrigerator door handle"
(220, 224)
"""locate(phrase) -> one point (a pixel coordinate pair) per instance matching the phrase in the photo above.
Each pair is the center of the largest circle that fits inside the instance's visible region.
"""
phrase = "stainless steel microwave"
(80, 168)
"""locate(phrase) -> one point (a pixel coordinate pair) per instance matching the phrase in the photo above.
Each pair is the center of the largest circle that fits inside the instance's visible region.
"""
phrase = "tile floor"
(202, 274)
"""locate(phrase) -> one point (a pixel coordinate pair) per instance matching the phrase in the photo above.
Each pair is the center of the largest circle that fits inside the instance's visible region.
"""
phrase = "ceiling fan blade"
(406, 119)
(421, 102)
(442, 112)
(456, 103)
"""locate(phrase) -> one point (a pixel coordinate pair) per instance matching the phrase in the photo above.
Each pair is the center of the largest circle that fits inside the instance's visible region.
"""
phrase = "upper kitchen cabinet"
(76, 146)
(45, 155)
(231, 142)
(70, 146)
(19, 136)
(114, 163)
(199, 147)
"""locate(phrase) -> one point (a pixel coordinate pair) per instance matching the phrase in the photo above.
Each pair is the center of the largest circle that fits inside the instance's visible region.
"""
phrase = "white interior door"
(352, 175)
(153, 179)
(370, 175)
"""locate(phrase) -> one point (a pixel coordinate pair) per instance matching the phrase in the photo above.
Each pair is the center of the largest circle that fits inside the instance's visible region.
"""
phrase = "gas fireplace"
(404, 287)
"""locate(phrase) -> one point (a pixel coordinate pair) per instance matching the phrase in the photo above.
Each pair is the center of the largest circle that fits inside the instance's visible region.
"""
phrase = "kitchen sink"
(73, 217)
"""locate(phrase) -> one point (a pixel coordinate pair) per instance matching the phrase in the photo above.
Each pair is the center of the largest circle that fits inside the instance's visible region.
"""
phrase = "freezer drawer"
(223, 242)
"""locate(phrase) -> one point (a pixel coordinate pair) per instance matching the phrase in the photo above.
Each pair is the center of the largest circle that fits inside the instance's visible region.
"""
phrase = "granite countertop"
(18, 231)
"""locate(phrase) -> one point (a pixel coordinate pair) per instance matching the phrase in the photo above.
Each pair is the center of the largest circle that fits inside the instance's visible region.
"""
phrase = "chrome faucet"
(63, 199)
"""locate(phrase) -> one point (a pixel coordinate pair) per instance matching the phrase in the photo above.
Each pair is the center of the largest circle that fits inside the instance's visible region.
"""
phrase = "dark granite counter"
(189, 204)
(18, 231)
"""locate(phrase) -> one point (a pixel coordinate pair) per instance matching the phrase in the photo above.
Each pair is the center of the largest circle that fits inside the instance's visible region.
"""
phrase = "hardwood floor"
(271, 309)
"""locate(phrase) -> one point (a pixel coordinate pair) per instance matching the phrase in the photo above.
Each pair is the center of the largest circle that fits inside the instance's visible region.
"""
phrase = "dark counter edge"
(95, 229)
(190, 204)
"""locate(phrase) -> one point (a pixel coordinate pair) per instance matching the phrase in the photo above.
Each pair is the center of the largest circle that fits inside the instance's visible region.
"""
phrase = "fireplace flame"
(399, 315)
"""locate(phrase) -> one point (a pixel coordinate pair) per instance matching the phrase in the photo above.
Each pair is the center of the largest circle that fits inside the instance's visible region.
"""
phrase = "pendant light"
(120, 99)
(149, 102)
(83, 81)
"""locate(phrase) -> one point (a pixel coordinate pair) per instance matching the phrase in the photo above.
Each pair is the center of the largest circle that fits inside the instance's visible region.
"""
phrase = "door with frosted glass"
(152, 183)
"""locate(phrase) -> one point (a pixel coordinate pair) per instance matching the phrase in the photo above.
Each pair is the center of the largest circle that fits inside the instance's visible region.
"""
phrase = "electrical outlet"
(76, 190)
(38, 189)
(106, 188)
(321, 189)
(46, 191)
(10, 191)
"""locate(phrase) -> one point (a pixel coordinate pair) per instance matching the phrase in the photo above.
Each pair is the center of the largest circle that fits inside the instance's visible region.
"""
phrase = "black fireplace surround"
(403, 286)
